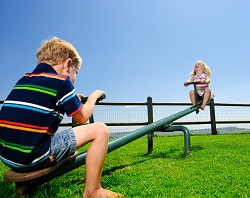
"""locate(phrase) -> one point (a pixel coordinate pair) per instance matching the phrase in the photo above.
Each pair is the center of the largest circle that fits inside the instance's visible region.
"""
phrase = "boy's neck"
(58, 68)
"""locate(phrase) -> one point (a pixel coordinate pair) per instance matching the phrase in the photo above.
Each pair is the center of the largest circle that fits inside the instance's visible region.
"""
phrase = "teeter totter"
(26, 181)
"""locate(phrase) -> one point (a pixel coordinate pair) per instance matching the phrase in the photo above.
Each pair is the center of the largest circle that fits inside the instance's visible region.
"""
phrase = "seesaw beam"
(112, 145)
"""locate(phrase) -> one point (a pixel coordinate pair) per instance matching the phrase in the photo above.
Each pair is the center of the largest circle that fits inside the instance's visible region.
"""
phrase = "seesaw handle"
(193, 83)
(103, 96)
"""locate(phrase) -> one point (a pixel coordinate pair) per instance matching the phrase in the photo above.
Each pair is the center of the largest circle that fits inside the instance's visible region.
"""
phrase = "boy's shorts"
(63, 145)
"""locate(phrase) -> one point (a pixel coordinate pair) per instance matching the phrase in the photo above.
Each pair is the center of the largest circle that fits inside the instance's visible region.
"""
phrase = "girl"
(202, 74)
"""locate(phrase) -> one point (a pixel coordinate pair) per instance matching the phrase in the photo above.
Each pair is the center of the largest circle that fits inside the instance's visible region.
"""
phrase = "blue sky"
(135, 48)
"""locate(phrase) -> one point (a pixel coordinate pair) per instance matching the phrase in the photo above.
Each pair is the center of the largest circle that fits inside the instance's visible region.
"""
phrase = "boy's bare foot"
(103, 193)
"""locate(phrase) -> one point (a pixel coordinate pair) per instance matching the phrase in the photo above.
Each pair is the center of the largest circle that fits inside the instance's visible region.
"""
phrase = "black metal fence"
(123, 117)
(153, 111)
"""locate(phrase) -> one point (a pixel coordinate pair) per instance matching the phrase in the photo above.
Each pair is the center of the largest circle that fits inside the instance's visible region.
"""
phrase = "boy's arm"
(82, 116)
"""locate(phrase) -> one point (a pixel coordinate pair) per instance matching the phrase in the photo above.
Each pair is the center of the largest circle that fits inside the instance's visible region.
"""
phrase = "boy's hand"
(97, 94)
(95, 97)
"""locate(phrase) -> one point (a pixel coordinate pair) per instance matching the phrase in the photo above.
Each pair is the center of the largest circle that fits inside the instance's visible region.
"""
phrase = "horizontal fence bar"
(234, 122)
(65, 124)
(161, 103)
(232, 104)
(165, 104)
(175, 123)
(178, 123)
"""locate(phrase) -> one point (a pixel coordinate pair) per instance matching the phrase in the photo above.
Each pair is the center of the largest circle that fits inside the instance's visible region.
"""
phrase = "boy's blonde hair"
(55, 51)
(207, 70)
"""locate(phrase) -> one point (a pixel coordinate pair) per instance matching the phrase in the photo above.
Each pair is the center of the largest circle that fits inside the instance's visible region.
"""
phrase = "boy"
(32, 112)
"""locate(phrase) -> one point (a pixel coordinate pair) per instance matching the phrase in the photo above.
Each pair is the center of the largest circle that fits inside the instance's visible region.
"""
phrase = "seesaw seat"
(13, 176)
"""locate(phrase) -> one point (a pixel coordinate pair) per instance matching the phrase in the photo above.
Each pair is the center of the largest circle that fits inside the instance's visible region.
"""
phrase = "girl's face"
(198, 66)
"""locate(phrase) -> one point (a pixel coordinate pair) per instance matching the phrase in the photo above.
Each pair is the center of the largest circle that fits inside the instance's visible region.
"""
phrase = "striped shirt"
(31, 114)
(200, 87)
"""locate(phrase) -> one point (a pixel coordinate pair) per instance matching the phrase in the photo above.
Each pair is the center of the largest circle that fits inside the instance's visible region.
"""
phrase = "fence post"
(150, 120)
(212, 118)
(74, 123)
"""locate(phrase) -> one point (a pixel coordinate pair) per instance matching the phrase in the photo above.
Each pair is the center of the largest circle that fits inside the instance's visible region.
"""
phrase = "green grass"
(217, 167)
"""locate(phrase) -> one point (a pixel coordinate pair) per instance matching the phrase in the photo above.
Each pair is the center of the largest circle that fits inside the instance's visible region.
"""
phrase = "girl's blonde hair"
(55, 51)
(207, 70)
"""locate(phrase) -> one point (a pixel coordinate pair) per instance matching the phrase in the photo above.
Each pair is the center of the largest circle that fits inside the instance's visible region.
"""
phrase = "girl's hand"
(185, 84)
(203, 80)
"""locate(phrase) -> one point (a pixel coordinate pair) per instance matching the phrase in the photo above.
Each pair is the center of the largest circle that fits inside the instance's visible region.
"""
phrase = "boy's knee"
(103, 129)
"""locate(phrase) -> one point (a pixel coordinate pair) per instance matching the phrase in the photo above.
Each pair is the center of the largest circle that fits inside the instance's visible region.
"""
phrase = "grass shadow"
(173, 153)
(170, 154)
(122, 166)
(8, 189)
(196, 148)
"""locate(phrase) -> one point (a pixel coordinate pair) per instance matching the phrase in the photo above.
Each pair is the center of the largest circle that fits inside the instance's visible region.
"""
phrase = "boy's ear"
(67, 63)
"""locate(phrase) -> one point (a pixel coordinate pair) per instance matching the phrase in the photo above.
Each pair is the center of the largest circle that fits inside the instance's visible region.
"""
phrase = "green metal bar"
(112, 145)
(195, 90)
(172, 128)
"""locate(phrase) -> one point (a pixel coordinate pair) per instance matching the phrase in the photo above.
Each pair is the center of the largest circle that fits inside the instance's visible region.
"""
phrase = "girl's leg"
(98, 135)
(206, 97)
(192, 97)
